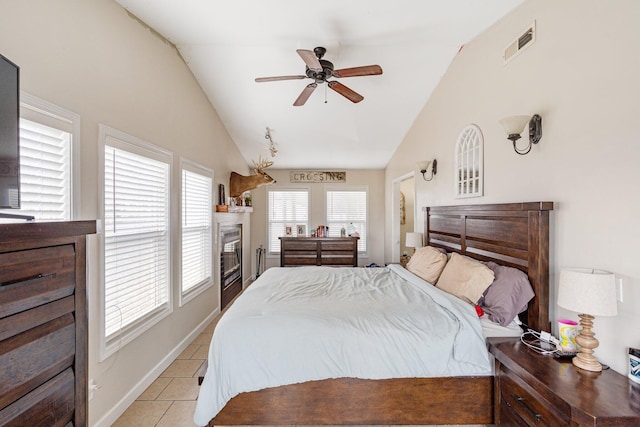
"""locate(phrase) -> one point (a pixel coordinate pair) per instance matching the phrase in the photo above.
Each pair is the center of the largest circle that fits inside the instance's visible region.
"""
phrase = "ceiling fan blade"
(306, 93)
(346, 92)
(310, 59)
(278, 78)
(367, 70)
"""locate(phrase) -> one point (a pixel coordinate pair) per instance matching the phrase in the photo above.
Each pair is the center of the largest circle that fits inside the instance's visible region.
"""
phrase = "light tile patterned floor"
(171, 400)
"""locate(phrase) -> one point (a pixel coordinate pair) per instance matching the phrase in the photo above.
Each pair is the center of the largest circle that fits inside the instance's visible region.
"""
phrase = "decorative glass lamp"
(590, 293)
(514, 126)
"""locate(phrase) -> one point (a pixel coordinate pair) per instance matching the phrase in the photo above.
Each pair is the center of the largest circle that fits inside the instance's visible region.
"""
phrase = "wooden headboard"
(512, 234)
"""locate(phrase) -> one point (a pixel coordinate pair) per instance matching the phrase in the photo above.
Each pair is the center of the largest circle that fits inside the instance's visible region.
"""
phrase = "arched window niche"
(468, 163)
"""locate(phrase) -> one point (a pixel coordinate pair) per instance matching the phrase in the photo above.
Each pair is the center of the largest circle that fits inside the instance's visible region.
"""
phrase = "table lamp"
(589, 293)
(413, 240)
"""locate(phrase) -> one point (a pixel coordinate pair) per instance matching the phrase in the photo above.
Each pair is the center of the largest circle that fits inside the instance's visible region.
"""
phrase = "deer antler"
(261, 164)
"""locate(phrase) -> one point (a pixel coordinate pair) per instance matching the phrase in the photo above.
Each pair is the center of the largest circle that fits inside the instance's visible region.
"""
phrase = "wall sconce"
(423, 166)
(514, 126)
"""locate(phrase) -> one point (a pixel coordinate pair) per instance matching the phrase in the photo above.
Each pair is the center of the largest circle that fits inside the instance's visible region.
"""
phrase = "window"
(287, 210)
(136, 185)
(197, 201)
(46, 174)
(468, 158)
(345, 208)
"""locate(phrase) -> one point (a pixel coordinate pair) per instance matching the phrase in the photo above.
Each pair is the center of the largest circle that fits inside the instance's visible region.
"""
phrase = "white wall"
(373, 179)
(90, 57)
(581, 77)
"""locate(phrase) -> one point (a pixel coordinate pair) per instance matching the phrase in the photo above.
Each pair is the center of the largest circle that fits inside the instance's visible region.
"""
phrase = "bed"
(514, 235)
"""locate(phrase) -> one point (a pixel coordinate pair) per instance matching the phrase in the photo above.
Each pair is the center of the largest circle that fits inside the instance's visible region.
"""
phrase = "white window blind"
(45, 172)
(196, 229)
(136, 233)
(287, 208)
(345, 208)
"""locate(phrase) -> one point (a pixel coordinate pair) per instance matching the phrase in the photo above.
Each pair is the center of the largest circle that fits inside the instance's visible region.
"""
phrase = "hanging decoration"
(272, 145)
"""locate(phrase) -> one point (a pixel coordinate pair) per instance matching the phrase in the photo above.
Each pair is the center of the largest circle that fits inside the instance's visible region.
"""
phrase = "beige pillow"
(465, 278)
(427, 263)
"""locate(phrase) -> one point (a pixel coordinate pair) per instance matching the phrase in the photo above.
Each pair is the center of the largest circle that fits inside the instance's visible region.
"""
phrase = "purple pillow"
(507, 296)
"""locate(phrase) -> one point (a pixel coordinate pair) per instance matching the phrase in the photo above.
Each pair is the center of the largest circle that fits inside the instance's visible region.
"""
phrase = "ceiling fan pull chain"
(325, 94)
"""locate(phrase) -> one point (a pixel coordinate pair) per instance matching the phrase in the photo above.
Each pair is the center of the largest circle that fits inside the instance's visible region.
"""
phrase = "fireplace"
(230, 262)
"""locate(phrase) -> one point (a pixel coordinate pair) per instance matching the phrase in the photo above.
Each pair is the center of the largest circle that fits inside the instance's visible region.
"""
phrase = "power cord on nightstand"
(539, 339)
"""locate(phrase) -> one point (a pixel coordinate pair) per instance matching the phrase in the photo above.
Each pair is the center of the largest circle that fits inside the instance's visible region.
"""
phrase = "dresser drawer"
(296, 258)
(518, 402)
(338, 246)
(50, 405)
(299, 245)
(31, 358)
(34, 277)
(337, 259)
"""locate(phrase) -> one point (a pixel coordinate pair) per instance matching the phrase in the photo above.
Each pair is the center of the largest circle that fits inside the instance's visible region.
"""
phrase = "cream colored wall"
(373, 179)
(90, 57)
(581, 77)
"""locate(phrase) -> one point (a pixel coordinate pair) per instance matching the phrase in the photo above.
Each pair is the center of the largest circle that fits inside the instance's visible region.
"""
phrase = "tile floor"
(171, 400)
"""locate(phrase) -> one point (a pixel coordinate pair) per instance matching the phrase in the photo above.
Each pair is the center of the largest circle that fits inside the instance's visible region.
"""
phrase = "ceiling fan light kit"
(320, 70)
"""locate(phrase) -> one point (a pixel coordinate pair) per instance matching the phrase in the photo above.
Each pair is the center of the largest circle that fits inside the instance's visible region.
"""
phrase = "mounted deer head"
(238, 184)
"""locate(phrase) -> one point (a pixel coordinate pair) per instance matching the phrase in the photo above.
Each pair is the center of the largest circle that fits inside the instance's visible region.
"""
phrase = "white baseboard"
(122, 405)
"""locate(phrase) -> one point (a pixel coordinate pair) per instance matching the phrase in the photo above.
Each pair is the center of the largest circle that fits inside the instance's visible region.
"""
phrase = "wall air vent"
(526, 39)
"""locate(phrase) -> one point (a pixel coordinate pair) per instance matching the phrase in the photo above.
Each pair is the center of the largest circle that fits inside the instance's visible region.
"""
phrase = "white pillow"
(465, 278)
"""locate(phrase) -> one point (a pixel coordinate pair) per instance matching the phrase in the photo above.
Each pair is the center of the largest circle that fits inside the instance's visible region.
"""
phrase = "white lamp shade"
(514, 124)
(588, 291)
(423, 166)
(413, 240)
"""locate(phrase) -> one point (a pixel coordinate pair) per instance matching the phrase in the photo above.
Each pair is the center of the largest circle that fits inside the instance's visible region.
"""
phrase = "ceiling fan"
(320, 70)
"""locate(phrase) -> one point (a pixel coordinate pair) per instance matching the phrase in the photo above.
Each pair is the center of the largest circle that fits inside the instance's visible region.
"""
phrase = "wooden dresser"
(531, 389)
(43, 324)
(330, 251)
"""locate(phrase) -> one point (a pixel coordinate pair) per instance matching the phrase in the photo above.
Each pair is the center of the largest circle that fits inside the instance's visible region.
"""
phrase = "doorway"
(403, 214)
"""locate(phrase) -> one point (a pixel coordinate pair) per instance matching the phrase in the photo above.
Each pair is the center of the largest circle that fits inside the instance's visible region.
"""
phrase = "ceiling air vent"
(518, 45)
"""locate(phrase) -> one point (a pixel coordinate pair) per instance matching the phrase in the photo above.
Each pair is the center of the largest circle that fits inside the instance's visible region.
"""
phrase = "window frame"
(48, 114)
(355, 188)
(110, 345)
(270, 189)
(188, 295)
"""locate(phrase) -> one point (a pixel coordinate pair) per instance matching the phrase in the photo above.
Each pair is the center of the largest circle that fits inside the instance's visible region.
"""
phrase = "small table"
(532, 389)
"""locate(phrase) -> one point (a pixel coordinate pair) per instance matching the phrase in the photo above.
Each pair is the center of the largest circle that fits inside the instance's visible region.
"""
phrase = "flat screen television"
(9, 139)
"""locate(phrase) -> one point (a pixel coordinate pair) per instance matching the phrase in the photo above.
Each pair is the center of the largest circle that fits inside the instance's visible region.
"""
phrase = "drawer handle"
(523, 404)
(29, 280)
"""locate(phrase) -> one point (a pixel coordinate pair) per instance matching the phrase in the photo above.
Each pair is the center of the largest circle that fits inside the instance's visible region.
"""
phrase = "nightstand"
(531, 389)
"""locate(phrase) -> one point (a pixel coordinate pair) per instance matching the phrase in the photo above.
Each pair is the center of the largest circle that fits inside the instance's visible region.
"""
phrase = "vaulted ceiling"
(227, 44)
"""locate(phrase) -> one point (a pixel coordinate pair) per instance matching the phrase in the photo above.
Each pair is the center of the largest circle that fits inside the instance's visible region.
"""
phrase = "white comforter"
(311, 323)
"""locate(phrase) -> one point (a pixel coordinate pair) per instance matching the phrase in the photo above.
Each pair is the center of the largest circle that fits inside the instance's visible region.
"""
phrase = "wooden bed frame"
(514, 234)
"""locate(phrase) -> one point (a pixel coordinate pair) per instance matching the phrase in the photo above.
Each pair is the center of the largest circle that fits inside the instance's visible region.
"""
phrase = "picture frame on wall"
(302, 230)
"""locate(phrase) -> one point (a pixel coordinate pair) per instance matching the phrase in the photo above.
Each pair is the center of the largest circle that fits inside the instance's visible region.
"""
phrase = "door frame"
(395, 214)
